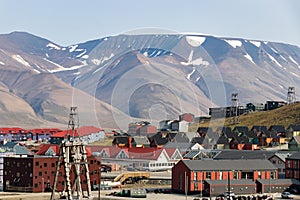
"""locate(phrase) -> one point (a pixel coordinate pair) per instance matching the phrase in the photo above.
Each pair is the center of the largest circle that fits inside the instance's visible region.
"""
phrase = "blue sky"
(67, 22)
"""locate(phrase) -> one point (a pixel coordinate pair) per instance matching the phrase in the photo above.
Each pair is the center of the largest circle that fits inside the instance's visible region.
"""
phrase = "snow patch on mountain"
(69, 68)
(275, 61)
(53, 46)
(195, 41)
(294, 61)
(102, 60)
(2, 63)
(85, 56)
(234, 43)
(81, 54)
(72, 48)
(197, 61)
(294, 74)
(256, 43)
(60, 68)
(21, 60)
(249, 58)
(190, 74)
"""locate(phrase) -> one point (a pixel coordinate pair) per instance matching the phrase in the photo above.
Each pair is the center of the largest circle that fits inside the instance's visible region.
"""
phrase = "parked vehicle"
(229, 195)
(105, 169)
(287, 195)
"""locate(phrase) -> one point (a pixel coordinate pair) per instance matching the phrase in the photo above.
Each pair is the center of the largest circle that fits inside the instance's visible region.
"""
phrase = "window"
(35, 185)
(52, 164)
(37, 163)
(45, 164)
(220, 175)
(289, 163)
(40, 173)
(208, 175)
(196, 186)
(195, 176)
(236, 175)
(279, 161)
(272, 175)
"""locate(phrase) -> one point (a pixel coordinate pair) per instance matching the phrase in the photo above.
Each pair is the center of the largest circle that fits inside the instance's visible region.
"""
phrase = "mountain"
(150, 76)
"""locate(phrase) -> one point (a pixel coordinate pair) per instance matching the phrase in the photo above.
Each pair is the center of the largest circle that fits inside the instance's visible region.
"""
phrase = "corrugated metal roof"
(244, 154)
(229, 165)
(232, 182)
(278, 181)
(295, 156)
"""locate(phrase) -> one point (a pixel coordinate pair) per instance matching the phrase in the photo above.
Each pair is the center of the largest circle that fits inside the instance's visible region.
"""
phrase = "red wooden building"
(292, 166)
(195, 176)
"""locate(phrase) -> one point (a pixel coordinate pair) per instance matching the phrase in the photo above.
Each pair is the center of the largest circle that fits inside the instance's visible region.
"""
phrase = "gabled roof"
(42, 131)
(172, 151)
(9, 145)
(259, 128)
(229, 165)
(277, 128)
(243, 129)
(223, 140)
(21, 150)
(243, 140)
(183, 147)
(243, 154)
(159, 139)
(65, 134)
(296, 139)
(120, 140)
(198, 140)
(141, 140)
(294, 127)
(282, 156)
(251, 134)
(87, 130)
(12, 130)
(145, 153)
(295, 156)
(43, 148)
(202, 129)
(181, 138)
(191, 135)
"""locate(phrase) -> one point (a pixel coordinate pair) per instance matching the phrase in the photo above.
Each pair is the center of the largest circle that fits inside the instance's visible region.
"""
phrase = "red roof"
(42, 131)
(12, 130)
(65, 133)
(45, 147)
(87, 130)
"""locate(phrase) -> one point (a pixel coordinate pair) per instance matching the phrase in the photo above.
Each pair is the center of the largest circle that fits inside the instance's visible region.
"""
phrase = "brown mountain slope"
(286, 115)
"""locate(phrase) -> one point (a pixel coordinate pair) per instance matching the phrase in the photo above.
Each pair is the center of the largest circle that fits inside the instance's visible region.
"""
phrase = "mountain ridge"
(148, 76)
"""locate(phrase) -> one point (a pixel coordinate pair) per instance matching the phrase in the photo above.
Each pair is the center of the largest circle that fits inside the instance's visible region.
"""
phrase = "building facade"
(195, 176)
(36, 174)
(292, 166)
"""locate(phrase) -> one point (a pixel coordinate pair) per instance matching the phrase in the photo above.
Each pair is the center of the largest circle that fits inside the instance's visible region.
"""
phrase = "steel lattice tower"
(291, 95)
(235, 108)
(73, 157)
